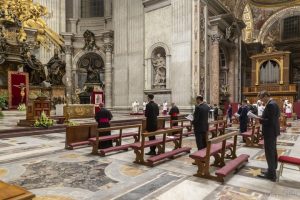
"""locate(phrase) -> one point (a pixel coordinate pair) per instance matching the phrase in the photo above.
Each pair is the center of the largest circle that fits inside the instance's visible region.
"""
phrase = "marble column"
(108, 45)
(215, 69)
(68, 51)
(231, 74)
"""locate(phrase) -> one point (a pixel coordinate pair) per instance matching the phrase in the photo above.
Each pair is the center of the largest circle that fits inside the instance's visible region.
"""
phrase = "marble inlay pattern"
(131, 171)
(260, 156)
(235, 193)
(51, 197)
(87, 175)
(287, 137)
(2, 145)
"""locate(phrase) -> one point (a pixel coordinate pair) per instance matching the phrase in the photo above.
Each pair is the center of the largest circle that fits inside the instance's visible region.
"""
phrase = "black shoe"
(266, 176)
(151, 153)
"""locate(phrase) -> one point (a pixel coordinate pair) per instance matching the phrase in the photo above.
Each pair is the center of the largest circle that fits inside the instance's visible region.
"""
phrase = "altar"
(271, 71)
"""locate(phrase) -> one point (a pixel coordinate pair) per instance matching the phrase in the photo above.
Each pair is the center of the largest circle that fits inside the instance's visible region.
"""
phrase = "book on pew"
(251, 115)
(190, 117)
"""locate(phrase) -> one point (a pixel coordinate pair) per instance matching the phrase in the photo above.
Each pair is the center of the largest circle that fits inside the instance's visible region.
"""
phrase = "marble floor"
(42, 165)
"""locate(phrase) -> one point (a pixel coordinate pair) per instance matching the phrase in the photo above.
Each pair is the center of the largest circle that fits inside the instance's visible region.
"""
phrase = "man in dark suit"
(270, 131)
(151, 113)
(243, 111)
(103, 117)
(201, 122)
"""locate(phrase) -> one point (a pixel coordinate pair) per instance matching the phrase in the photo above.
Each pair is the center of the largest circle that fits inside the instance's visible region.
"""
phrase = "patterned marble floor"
(43, 166)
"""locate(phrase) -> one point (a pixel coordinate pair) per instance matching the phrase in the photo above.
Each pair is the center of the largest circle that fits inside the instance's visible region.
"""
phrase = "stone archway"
(275, 18)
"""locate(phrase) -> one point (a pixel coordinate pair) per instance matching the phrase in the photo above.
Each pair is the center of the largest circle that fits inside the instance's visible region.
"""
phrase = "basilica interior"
(62, 62)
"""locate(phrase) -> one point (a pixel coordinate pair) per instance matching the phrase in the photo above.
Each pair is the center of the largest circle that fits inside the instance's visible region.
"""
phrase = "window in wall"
(291, 27)
(92, 8)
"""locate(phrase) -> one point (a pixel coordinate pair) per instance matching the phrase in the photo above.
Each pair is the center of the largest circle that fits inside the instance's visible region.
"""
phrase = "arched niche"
(157, 56)
(88, 68)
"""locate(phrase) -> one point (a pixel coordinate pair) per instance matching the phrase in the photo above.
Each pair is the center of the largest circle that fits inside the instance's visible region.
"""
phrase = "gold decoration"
(273, 3)
(79, 111)
(253, 172)
(29, 15)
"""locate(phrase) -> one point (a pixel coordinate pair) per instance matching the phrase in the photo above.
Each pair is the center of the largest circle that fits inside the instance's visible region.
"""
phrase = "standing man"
(216, 112)
(229, 113)
(103, 117)
(243, 111)
(260, 108)
(201, 122)
(174, 112)
(151, 113)
(270, 131)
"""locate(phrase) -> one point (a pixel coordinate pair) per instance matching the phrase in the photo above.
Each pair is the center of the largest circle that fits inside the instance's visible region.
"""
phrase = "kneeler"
(288, 160)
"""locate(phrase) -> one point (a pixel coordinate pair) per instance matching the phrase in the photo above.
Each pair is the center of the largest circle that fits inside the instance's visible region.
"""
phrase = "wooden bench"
(217, 147)
(167, 136)
(160, 124)
(13, 192)
(79, 135)
(184, 123)
(217, 128)
(252, 136)
(115, 137)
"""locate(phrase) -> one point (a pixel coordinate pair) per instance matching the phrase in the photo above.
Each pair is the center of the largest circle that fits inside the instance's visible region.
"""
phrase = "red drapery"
(15, 80)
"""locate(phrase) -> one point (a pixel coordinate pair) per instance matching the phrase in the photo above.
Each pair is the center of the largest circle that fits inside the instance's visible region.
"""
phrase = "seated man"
(103, 117)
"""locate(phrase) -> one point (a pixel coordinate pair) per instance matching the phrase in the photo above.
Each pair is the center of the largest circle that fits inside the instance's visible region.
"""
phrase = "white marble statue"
(133, 107)
(159, 65)
(165, 107)
(137, 106)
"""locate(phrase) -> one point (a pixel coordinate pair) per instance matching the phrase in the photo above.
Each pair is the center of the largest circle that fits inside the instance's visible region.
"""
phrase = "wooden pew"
(217, 147)
(160, 124)
(184, 123)
(252, 136)
(79, 135)
(13, 192)
(217, 128)
(115, 137)
(139, 147)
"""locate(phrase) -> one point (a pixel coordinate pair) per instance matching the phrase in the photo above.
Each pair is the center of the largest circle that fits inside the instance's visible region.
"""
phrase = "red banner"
(18, 88)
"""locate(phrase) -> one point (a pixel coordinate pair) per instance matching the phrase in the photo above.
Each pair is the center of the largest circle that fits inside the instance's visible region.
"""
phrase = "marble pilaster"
(108, 14)
(108, 46)
(231, 75)
(68, 51)
(215, 69)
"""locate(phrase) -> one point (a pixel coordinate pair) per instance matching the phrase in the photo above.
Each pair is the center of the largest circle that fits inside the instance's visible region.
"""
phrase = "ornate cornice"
(68, 49)
(108, 47)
